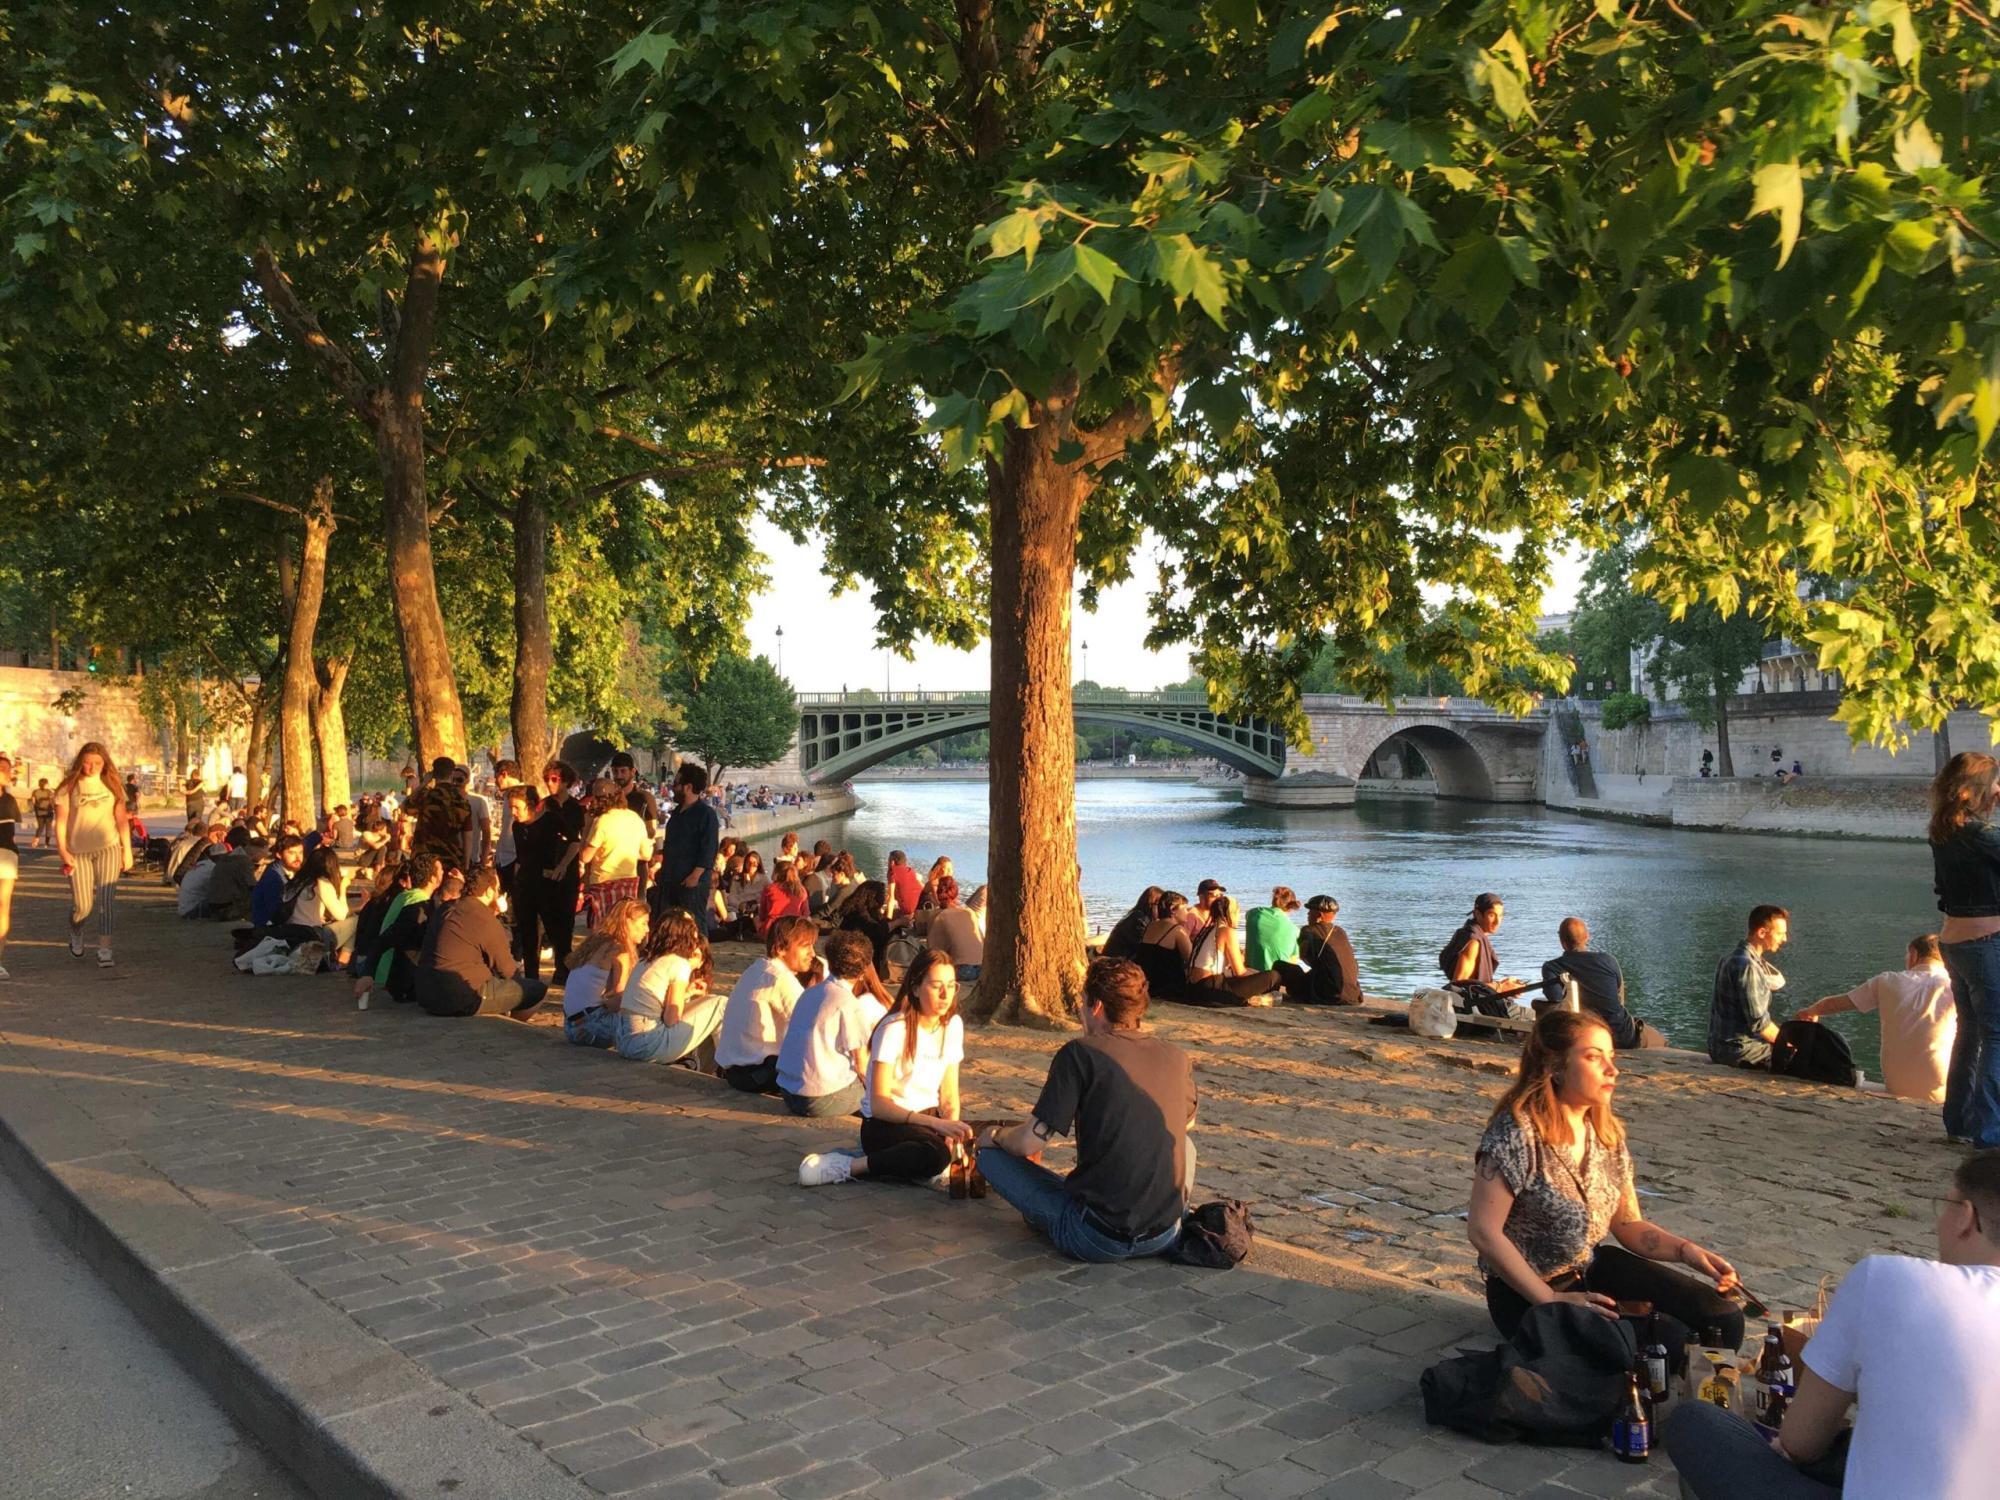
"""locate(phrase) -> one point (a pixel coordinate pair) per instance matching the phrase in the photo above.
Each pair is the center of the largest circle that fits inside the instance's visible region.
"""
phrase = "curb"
(347, 1414)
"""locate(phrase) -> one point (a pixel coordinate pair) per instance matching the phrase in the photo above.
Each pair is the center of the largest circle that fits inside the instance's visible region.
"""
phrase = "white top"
(646, 991)
(239, 784)
(1208, 953)
(1915, 1341)
(622, 845)
(320, 904)
(585, 988)
(1919, 1024)
(753, 1022)
(194, 886)
(503, 847)
(917, 1088)
(841, 1028)
(481, 822)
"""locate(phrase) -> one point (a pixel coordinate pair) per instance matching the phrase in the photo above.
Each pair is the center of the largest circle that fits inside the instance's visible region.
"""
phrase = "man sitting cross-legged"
(1129, 1098)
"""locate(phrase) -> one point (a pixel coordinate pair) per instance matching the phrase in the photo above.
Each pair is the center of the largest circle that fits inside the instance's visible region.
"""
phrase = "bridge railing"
(974, 698)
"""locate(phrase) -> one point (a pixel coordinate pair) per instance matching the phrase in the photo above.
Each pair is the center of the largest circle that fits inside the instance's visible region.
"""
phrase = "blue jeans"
(666, 1044)
(595, 1027)
(1972, 1086)
(1722, 1457)
(845, 1101)
(968, 972)
(1040, 1196)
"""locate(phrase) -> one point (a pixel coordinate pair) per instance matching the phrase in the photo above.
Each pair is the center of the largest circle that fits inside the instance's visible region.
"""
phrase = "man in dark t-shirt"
(1128, 1097)
(1600, 983)
(1326, 973)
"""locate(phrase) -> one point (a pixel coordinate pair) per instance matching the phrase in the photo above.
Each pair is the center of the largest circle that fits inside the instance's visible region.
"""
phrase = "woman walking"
(1965, 862)
(94, 843)
(10, 858)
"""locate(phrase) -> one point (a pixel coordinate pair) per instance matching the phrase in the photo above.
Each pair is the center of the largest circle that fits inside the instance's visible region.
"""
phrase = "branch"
(290, 510)
(350, 378)
(683, 471)
(1107, 441)
(410, 356)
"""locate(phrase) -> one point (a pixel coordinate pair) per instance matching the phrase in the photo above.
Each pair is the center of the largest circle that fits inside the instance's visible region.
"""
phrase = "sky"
(831, 645)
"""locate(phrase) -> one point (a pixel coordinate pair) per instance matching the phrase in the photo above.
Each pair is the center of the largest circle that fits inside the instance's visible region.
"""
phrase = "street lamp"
(781, 650)
(1086, 661)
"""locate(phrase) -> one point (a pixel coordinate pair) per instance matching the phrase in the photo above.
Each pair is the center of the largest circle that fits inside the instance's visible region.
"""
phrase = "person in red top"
(905, 884)
(785, 896)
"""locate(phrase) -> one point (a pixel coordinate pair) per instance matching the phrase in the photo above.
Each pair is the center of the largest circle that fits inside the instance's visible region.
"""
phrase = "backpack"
(1217, 1236)
(1815, 1053)
(1558, 1380)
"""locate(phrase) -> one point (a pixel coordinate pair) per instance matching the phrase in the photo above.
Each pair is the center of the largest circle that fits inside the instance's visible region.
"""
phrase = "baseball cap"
(1322, 903)
(1486, 901)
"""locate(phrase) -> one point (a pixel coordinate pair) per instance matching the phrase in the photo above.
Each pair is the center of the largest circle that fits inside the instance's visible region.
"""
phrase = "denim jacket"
(1966, 869)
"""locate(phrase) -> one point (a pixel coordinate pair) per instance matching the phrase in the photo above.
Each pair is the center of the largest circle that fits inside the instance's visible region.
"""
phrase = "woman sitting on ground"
(958, 931)
(941, 869)
(388, 880)
(600, 967)
(319, 903)
(909, 1116)
(867, 912)
(746, 897)
(1217, 975)
(1125, 935)
(1552, 1176)
(1164, 948)
(663, 1015)
(783, 897)
(760, 1006)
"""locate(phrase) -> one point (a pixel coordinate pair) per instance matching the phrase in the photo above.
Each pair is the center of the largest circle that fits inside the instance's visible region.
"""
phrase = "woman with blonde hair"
(94, 842)
(599, 966)
(1552, 1177)
(1965, 865)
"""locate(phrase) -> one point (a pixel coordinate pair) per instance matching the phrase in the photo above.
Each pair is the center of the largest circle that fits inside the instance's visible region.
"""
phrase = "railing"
(976, 697)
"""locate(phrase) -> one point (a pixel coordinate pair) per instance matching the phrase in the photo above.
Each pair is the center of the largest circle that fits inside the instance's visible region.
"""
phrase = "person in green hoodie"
(1269, 933)
(393, 964)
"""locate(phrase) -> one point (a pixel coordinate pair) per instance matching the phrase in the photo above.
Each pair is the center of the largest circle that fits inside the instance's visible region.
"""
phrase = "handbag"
(1217, 1236)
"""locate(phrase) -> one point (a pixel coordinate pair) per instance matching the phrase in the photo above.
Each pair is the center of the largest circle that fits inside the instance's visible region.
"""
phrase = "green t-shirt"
(1269, 935)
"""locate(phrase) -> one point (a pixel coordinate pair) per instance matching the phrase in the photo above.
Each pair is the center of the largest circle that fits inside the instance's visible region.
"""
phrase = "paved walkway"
(614, 1262)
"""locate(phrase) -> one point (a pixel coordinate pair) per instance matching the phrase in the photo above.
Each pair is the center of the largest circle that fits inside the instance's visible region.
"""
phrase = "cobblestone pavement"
(615, 1261)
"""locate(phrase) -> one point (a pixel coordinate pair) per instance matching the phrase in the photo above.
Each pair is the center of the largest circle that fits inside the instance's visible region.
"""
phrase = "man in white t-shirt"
(1914, 1346)
(823, 1064)
(1919, 1021)
(759, 1012)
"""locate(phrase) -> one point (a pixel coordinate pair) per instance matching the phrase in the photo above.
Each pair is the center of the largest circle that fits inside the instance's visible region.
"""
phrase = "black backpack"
(1815, 1053)
(1558, 1380)
(1217, 1236)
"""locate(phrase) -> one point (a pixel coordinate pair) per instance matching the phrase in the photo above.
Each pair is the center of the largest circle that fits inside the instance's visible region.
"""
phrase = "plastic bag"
(1432, 1014)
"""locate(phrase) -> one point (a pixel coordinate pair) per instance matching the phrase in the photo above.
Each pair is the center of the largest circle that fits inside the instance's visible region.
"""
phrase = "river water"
(1667, 903)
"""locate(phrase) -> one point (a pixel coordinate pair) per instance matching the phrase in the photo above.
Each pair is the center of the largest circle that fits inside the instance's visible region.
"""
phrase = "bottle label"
(1656, 1373)
(1631, 1439)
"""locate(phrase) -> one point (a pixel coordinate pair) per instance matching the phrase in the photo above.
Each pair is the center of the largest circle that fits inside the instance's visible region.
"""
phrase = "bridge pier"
(1307, 791)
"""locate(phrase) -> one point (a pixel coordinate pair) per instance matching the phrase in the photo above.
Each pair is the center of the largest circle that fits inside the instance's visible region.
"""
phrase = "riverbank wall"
(980, 773)
(1650, 773)
(43, 738)
(767, 823)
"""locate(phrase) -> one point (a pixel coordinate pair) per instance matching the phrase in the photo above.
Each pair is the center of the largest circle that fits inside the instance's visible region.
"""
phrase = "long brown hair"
(675, 932)
(1531, 1097)
(1962, 792)
(109, 776)
(906, 1003)
(607, 938)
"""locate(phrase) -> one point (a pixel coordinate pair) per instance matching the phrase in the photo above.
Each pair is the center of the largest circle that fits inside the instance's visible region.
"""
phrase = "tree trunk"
(1941, 741)
(295, 707)
(330, 728)
(253, 754)
(1725, 765)
(435, 715)
(533, 651)
(1032, 970)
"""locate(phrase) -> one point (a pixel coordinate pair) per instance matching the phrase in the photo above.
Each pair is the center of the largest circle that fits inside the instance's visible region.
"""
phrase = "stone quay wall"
(43, 740)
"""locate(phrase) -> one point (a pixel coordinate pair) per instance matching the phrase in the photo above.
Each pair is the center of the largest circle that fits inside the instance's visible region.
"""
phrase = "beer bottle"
(1654, 1355)
(961, 1185)
(1767, 1367)
(1632, 1430)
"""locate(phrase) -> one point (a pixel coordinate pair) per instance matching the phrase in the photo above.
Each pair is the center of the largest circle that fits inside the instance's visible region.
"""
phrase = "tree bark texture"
(1725, 764)
(330, 729)
(256, 752)
(533, 651)
(295, 704)
(1032, 969)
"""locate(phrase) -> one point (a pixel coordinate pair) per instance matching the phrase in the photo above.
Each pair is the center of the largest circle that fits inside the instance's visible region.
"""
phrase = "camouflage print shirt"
(442, 815)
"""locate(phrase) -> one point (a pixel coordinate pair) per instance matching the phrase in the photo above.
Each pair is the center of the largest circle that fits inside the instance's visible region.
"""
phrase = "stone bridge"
(1473, 751)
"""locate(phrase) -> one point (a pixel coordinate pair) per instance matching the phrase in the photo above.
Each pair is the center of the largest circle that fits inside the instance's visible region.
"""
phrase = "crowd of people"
(1554, 1212)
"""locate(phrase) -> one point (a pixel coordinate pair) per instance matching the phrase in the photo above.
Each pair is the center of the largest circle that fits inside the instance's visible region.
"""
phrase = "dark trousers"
(1218, 990)
(1719, 1456)
(544, 909)
(692, 899)
(1685, 1306)
(753, 1078)
(903, 1153)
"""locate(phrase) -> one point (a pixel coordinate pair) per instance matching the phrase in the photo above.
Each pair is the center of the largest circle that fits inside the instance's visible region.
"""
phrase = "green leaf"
(28, 245)
(1099, 270)
(1779, 189)
(1191, 272)
(1020, 233)
(1707, 482)
(1409, 146)
(1972, 386)
(1307, 114)
(1916, 148)
(650, 48)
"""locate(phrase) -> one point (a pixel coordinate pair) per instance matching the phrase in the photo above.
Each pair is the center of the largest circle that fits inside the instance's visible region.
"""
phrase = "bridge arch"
(842, 740)
(1456, 764)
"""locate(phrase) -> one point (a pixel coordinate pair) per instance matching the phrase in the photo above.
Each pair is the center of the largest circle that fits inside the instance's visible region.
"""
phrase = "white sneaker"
(103, 958)
(361, 1002)
(4, 975)
(821, 1168)
(940, 1183)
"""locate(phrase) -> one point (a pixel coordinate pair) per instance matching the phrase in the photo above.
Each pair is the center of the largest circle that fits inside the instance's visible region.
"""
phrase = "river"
(1666, 903)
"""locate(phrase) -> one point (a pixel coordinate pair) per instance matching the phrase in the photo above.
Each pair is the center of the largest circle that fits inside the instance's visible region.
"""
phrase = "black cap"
(1486, 901)
(1211, 885)
(1322, 903)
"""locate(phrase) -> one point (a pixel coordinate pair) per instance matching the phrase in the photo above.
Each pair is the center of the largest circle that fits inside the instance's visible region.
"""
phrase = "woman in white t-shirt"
(321, 903)
(665, 1012)
(909, 1116)
(599, 968)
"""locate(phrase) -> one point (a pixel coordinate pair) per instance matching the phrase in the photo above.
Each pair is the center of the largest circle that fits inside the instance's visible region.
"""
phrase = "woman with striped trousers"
(94, 842)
